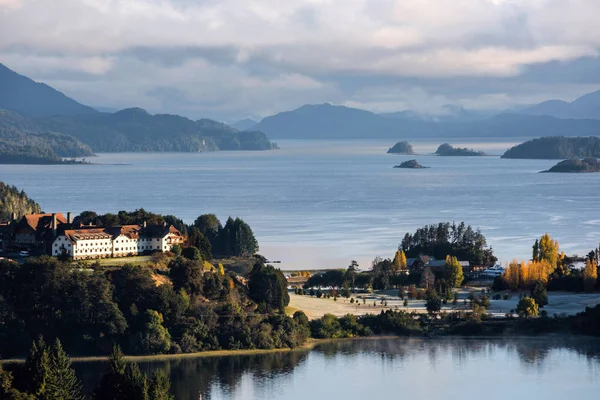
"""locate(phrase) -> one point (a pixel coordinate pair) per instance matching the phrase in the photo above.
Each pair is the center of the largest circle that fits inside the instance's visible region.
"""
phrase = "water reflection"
(377, 362)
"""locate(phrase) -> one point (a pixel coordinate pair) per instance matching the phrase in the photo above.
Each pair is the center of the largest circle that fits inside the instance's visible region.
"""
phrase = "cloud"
(239, 57)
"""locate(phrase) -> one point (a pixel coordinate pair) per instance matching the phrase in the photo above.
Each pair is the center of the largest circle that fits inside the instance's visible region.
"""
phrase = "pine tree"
(135, 383)
(536, 251)
(112, 384)
(62, 383)
(160, 387)
(37, 367)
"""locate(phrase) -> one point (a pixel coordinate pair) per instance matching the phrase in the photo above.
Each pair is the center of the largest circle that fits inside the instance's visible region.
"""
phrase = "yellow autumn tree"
(590, 275)
(399, 263)
(549, 251)
(512, 275)
(221, 270)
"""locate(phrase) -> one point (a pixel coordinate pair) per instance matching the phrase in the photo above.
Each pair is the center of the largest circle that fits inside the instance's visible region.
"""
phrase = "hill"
(576, 166)
(556, 148)
(326, 121)
(586, 106)
(27, 97)
(20, 145)
(13, 200)
(135, 129)
(244, 125)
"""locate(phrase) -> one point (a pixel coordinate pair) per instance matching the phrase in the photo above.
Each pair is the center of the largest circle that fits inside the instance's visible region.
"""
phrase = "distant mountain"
(244, 125)
(19, 145)
(134, 129)
(326, 121)
(586, 106)
(24, 96)
(450, 113)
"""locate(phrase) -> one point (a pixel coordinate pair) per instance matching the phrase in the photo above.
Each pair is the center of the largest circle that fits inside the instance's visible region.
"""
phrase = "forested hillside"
(558, 147)
(14, 201)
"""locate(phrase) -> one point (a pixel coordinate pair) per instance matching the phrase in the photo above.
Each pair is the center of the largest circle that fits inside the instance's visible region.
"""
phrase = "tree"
(454, 272)
(187, 275)
(192, 253)
(549, 251)
(176, 249)
(62, 383)
(590, 274)
(427, 279)
(399, 263)
(37, 368)
(536, 251)
(351, 272)
(209, 225)
(268, 285)
(155, 338)
(539, 294)
(159, 387)
(527, 307)
(124, 380)
(433, 302)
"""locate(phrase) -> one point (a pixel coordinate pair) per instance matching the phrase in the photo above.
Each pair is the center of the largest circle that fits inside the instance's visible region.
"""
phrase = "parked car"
(23, 253)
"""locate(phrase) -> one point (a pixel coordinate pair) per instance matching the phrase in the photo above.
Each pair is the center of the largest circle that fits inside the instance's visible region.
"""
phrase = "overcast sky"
(231, 59)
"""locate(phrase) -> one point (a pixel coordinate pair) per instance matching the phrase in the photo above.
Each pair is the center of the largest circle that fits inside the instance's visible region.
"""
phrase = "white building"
(117, 241)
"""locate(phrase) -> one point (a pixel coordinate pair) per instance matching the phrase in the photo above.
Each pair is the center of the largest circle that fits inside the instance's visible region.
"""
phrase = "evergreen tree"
(536, 251)
(351, 272)
(37, 368)
(539, 294)
(62, 383)
(112, 384)
(159, 387)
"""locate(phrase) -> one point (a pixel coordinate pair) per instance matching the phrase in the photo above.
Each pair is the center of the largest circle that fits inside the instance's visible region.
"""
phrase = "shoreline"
(310, 345)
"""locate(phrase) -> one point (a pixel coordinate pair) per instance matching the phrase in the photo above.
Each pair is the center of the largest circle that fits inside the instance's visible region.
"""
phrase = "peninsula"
(556, 147)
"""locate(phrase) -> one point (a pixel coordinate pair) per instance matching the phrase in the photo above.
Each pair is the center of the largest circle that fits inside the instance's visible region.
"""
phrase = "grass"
(291, 310)
(112, 262)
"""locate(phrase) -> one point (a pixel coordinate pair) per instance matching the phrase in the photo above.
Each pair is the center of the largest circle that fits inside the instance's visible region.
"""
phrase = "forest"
(13, 200)
(556, 147)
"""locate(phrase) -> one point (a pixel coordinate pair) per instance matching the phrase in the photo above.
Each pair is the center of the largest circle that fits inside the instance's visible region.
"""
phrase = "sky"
(233, 59)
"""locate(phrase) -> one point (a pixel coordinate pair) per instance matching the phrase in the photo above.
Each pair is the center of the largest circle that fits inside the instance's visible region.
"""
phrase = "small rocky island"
(401, 148)
(448, 150)
(413, 164)
(576, 166)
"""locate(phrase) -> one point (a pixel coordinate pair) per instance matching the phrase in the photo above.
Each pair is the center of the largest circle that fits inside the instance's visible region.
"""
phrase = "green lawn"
(112, 262)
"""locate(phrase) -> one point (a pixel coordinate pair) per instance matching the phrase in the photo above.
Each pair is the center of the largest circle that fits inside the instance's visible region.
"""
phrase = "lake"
(545, 368)
(320, 204)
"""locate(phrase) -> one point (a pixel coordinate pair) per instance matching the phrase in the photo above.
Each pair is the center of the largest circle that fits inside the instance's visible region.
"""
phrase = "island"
(576, 166)
(448, 150)
(413, 164)
(556, 147)
(401, 148)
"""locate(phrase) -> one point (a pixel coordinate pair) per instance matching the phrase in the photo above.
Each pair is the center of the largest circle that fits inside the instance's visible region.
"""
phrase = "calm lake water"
(417, 369)
(317, 204)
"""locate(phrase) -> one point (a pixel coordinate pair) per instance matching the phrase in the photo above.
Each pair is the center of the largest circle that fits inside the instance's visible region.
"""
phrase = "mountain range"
(37, 109)
(327, 121)
(39, 124)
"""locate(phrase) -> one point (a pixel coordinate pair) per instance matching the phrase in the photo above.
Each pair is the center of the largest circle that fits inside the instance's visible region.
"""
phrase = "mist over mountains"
(38, 108)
